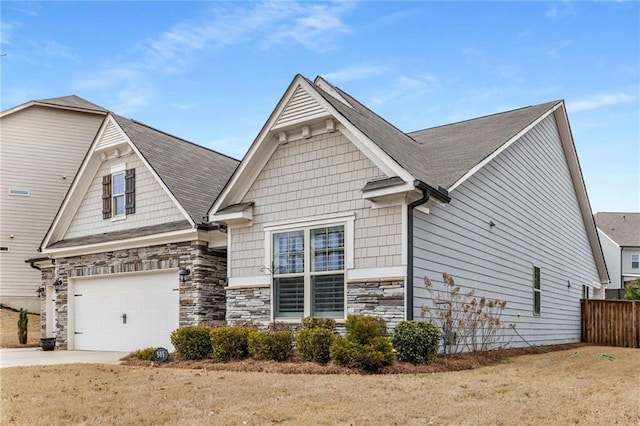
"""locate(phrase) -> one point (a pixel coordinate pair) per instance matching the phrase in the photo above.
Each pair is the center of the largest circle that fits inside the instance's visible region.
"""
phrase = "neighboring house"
(333, 211)
(620, 239)
(42, 144)
(131, 256)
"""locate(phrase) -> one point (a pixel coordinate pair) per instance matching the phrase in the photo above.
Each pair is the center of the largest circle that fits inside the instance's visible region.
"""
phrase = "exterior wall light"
(40, 291)
(58, 282)
(184, 272)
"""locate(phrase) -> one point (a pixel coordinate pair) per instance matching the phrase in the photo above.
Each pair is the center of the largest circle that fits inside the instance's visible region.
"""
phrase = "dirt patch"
(584, 385)
(9, 329)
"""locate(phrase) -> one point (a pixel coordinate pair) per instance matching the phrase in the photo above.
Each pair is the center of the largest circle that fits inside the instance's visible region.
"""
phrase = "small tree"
(632, 291)
(23, 321)
(468, 322)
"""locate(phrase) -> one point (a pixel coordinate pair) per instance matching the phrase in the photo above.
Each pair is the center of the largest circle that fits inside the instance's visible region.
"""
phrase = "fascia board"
(36, 103)
(575, 171)
(146, 241)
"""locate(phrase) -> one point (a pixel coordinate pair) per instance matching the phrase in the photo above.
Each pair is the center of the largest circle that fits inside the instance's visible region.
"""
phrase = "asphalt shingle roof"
(195, 175)
(441, 155)
(72, 101)
(623, 228)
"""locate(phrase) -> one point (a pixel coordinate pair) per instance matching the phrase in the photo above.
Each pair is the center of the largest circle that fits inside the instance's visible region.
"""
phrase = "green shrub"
(363, 328)
(371, 357)
(364, 347)
(230, 343)
(23, 321)
(270, 345)
(318, 322)
(192, 342)
(416, 341)
(145, 354)
(313, 344)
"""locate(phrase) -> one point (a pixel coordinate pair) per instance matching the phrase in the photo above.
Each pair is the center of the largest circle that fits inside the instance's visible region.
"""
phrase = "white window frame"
(636, 261)
(19, 192)
(347, 221)
(118, 170)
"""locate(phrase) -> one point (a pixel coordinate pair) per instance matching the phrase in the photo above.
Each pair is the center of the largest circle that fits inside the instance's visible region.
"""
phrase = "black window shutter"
(130, 191)
(106, 196)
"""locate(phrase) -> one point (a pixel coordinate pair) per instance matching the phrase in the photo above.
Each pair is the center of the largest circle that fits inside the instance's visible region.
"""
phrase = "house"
(130, 256)
(42, 144)
(620, 238)
(334, 211)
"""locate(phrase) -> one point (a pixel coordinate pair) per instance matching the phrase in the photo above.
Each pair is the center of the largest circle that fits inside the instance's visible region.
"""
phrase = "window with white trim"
(536, 291)
(117, 194)
(585, 291)
(309, 272)
(635, 261)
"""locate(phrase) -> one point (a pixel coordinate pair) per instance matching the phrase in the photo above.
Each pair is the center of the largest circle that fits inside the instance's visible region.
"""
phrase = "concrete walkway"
(36, 356)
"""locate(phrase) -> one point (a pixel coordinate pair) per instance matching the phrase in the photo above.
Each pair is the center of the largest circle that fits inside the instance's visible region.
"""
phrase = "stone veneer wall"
(384, 298)
(47, 277)
(202, 298)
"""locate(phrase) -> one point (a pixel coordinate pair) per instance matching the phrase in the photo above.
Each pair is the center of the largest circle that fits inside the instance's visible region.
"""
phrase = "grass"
(564, 387)
(9, 329)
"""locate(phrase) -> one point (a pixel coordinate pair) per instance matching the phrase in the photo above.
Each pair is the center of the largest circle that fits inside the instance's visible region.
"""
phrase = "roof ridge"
(485, 116)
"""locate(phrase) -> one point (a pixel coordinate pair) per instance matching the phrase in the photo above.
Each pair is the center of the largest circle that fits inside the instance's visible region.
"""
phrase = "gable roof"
(439, 156)
(622, 228)
(195, 175)
(70, 102)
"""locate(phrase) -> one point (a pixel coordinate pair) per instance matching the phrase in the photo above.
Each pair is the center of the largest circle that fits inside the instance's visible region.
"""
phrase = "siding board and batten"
(528, 193)
(39, 145)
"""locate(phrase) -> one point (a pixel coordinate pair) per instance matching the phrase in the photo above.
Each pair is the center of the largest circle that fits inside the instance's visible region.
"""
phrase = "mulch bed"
(465, 361)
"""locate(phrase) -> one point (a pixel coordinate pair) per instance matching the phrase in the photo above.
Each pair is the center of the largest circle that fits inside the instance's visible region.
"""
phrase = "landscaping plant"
(364, 346)
(270, 345)
(632, 292)
(416, 341)
(145, 354)
(468, 322)
(23, 321)
(192, 342)
(230, 343)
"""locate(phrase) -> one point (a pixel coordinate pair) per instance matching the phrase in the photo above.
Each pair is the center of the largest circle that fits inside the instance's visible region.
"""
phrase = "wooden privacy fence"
(611, 322)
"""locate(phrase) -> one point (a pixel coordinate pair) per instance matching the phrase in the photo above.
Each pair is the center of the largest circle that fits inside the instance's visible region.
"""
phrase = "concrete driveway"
(36, 356)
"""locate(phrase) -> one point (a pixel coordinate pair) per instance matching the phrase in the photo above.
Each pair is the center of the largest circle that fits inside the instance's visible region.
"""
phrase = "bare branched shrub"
(468, 322)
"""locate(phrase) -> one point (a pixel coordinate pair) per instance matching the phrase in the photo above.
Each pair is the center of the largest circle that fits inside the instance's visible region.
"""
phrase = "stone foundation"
(202, 298)
(249, 304)
(380, 298)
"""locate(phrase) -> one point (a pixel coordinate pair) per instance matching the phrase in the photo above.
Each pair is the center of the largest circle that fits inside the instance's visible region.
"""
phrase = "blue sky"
(212, 72)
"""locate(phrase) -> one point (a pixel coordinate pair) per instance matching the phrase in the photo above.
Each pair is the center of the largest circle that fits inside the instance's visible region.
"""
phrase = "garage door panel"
(148, 300)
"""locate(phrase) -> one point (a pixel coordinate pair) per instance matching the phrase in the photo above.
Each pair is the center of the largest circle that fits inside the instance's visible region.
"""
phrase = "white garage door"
(125, 312)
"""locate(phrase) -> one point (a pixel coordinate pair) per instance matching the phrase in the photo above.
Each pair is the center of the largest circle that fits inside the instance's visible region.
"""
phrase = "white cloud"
(7, 29)
(599, 100)
(355, 72)
(404, 86)
(559, 10)
(52, 49)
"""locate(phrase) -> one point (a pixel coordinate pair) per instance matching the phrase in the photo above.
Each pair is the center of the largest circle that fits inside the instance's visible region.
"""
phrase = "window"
(118, 193)
(585, 291)
(3, 248)
(536, 290)
(19, 192)
(308, 272)
(635, 261)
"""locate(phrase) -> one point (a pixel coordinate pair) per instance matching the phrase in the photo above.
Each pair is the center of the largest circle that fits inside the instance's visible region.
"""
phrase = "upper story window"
(585, 291)
(536, 291)
(309, 272)
(635, 261)
(118, 193)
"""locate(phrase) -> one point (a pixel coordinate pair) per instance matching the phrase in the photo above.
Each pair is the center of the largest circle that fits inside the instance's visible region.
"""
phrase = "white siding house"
(42, 144)
(334, 211)
(620, 237)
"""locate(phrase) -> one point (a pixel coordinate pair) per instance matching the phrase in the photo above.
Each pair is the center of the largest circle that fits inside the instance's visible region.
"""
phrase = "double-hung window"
(117, 193)
(309, 272)
(635, 261)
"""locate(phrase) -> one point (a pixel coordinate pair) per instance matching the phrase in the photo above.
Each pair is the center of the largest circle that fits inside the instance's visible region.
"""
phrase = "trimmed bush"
(23, 321)
(416, 341)
(145, 354)
(230, 343)
(270, 345)
(318, 322)
(362, 328)
(313, 344)
(364, 347)
(192, 342)
(371, 357)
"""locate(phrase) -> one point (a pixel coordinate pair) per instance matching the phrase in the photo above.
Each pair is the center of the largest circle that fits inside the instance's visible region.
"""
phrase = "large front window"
(308, 270)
